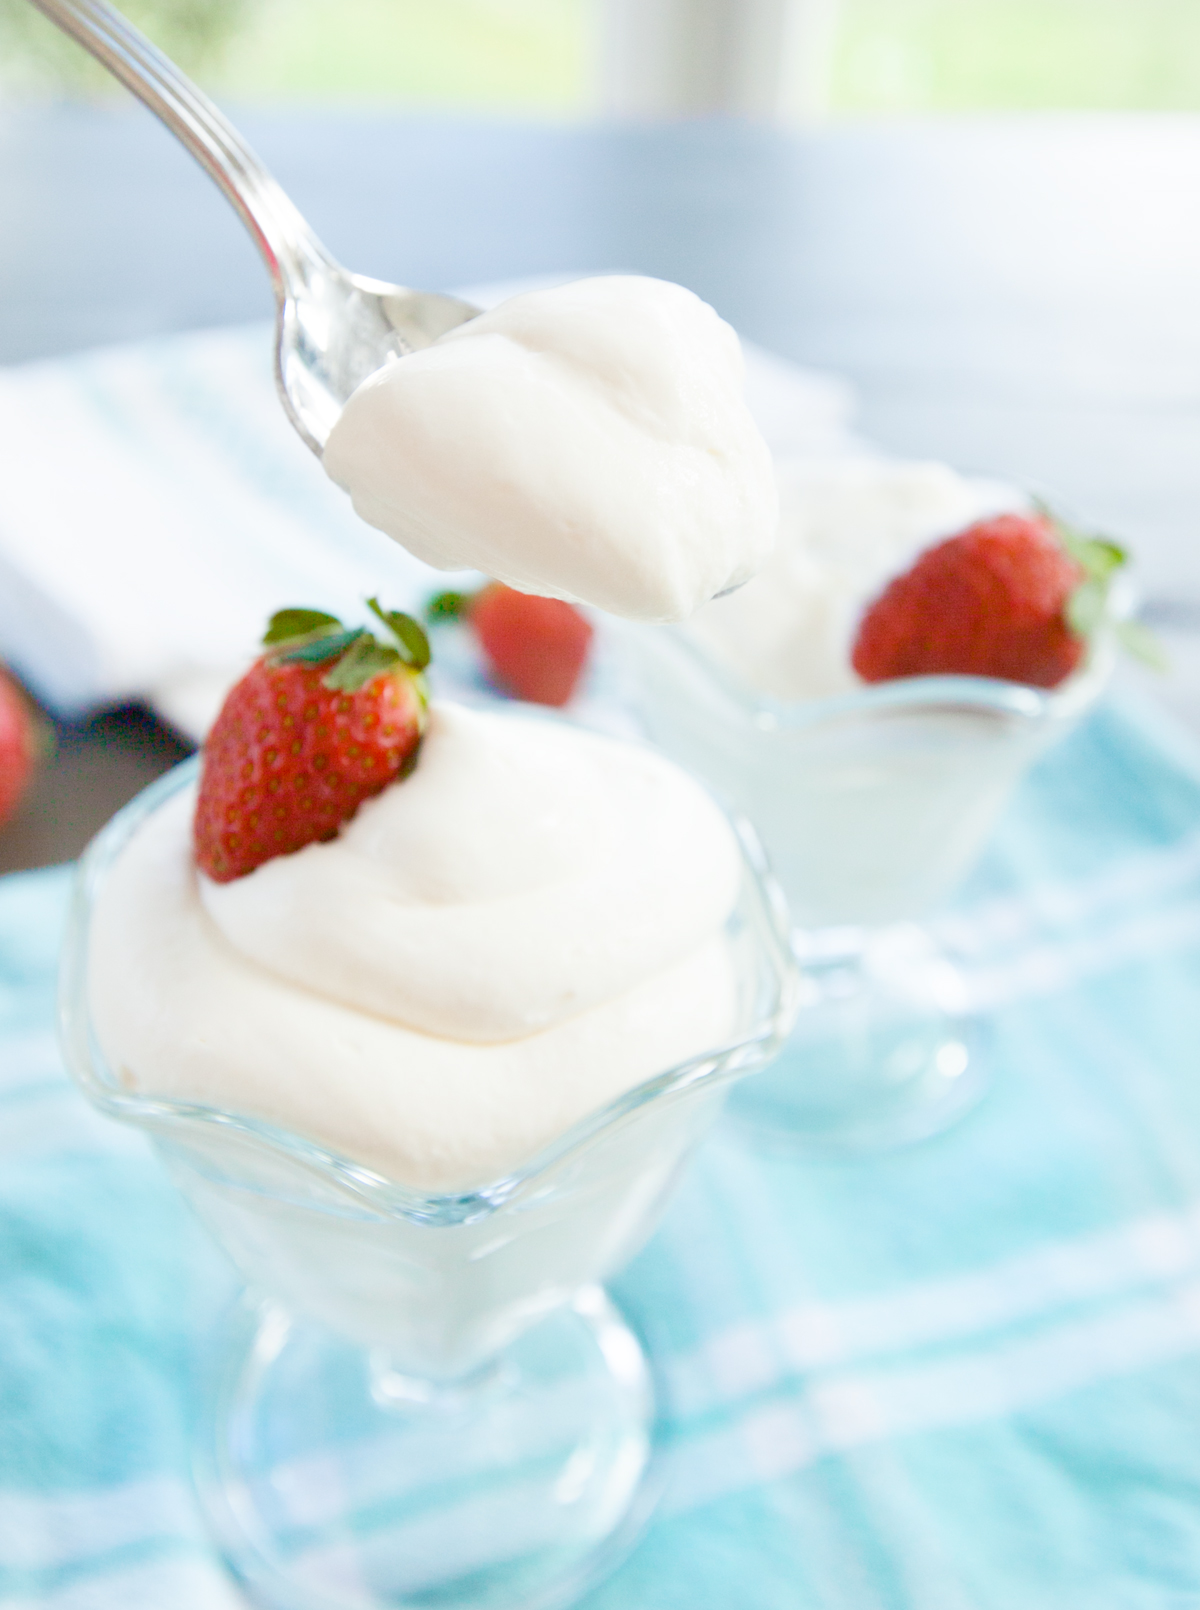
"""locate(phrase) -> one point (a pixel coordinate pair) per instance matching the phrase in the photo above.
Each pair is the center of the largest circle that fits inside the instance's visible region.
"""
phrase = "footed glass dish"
(872, 806)
(428, 1400)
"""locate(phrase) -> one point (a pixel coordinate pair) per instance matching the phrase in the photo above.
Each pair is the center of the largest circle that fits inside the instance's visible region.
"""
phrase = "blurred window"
(961, 55)
(528, 55)
(558, 58)
(520, 54)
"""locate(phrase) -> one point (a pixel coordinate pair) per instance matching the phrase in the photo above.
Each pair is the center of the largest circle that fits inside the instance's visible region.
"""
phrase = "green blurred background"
(535, 57)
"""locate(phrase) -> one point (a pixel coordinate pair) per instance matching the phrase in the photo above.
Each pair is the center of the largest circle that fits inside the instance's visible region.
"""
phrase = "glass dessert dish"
(872, 806)
(427, 1399)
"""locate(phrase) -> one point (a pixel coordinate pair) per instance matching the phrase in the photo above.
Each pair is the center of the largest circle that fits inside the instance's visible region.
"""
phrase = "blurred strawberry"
(1014, 596)
(22, 743)
(536, 647)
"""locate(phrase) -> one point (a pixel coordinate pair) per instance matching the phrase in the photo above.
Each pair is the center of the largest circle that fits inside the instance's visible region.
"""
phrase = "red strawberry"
(326, 718)
(996, 600)
(537, 647)
(21, 744)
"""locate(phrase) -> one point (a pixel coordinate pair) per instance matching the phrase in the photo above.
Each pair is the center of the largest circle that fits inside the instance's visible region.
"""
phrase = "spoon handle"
(289, 248)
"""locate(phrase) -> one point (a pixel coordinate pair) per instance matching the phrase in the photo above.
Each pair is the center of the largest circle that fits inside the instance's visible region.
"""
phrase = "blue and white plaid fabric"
(964, 1376)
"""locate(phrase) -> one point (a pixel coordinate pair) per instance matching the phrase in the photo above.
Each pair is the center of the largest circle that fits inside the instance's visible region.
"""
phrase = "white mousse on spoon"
(589, 442)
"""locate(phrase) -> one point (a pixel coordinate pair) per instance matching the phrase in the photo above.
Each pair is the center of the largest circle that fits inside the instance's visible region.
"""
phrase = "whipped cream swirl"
(528, 925)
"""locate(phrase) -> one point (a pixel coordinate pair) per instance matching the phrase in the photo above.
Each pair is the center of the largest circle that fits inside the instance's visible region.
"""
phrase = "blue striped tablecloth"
(961, 1377)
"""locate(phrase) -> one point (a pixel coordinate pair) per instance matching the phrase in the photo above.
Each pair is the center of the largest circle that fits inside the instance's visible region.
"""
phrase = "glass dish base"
(333, 1482)
(949, 1079)
(879, 1056)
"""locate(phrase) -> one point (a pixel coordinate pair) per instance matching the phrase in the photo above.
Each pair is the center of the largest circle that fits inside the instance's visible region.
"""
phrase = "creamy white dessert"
(847, 526)
(590, 442)
(527, 926)
(871, 813)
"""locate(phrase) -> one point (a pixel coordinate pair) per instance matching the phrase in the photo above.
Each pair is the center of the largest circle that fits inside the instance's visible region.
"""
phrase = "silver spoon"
(332, 328)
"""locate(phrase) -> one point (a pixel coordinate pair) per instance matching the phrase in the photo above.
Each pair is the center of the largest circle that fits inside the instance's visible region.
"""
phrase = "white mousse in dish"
(847, 526)
(590, 442)
(524, 928)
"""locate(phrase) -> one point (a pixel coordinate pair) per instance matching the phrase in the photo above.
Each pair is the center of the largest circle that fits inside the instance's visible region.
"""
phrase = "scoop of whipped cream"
(527, 926)
(847, 526)
(590, 442)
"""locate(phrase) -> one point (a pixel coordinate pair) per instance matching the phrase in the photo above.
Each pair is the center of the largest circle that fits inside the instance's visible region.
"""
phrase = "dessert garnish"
(1016, 596)
(24, 739)
(535, 647)
(325, 718)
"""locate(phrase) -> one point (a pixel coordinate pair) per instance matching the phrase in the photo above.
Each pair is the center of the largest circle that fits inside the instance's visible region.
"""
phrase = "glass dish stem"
(882, 1052)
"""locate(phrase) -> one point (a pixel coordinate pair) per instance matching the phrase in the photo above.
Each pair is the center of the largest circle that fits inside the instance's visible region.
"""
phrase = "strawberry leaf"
(409, 634)
(1090, 605)
(363, 660)
(288, 623)
(412, 637)
(447, 606)
(1096, 556)
(316, 650)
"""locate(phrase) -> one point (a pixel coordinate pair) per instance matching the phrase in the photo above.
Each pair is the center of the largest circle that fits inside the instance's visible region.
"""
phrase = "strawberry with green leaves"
(327, 717)
(1016, 596)
(537, 648)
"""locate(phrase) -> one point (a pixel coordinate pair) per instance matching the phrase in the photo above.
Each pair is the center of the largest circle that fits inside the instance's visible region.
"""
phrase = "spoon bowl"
(332, 328)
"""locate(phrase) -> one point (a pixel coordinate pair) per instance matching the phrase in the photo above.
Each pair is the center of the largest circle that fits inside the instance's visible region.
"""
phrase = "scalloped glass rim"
(768, 713)
(379, 1195)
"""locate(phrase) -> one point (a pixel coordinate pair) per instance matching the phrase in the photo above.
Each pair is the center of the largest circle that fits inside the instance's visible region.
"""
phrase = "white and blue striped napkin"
(965, 1376)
